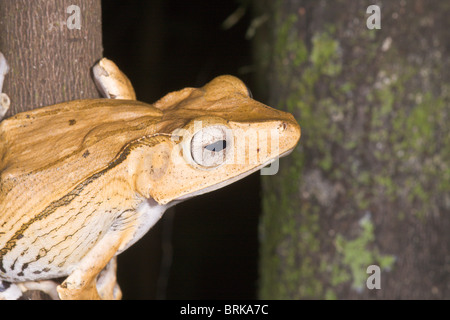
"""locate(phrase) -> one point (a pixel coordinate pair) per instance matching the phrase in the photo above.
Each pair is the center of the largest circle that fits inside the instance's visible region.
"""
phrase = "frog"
(81, 181)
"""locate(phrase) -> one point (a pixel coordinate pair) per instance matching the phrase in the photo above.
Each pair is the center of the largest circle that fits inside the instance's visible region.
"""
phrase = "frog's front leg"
(111, 82)
(81, 283)
(4, 99)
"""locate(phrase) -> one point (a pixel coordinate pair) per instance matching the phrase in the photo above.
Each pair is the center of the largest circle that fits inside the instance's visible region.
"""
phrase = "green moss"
(387, 184)
(420, 123)
(409, 130)
(323, 60)
(339, 276)
(295, 228)
(375, 141)
(289, 49)
(294, 242)
(324, 54)
(330, 295)
(357, 256)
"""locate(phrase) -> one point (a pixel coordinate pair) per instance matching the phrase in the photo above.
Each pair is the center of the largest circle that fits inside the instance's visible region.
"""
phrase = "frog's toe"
(69, 291)
(111, 82)
(4, 104)
(4, 99)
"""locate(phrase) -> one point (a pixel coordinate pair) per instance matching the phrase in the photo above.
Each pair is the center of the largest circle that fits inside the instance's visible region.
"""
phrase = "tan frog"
(83, 180)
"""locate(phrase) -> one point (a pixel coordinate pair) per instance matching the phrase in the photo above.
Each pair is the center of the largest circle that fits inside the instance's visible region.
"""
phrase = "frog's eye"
(217, 146)
(209, 146)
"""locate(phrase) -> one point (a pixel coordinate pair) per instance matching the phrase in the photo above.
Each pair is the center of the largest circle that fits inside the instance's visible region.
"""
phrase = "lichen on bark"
(374, 110)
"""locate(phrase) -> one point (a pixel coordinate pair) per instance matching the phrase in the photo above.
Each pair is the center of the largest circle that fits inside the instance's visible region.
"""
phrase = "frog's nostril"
(289, 130)
(282, 127)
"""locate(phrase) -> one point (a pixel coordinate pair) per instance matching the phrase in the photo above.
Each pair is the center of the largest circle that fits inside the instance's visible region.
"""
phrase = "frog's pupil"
(217, 146)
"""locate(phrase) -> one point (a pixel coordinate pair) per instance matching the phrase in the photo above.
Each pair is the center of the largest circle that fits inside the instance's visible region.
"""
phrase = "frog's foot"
(75, 291)
(4, 99)
(112, 82)
(81, 284)
(104, 287)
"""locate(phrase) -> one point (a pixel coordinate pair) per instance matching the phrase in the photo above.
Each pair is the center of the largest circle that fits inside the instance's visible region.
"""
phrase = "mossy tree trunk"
(50, 47)
(369, 183)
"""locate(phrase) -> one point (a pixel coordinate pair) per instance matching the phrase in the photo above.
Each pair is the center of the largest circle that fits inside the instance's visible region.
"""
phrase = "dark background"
(207, 247)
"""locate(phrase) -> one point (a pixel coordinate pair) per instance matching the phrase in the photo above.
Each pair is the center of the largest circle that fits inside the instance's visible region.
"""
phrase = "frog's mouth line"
(231, 180)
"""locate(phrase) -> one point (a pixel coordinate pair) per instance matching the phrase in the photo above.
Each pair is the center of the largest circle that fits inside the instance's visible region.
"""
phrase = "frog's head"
(219, 134)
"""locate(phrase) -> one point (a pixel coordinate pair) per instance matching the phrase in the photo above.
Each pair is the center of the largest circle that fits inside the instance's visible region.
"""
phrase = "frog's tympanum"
(83, 180)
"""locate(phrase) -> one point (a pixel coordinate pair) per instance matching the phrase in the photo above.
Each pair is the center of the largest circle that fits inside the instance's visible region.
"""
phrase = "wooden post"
(50, 47)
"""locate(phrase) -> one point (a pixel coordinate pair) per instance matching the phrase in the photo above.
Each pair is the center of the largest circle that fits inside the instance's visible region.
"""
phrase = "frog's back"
(47, 137)
(47, 152)
(77, 138)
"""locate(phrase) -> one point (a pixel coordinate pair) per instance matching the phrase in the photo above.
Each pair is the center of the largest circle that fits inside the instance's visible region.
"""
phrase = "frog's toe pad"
(4, 104)
(111, 82)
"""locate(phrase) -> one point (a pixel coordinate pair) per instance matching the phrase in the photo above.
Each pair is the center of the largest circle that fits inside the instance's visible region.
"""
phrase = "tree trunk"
(50, 59)
(50, 48)
(369, 183)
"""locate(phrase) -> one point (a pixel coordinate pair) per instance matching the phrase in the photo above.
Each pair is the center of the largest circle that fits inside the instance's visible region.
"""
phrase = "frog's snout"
(289, 133)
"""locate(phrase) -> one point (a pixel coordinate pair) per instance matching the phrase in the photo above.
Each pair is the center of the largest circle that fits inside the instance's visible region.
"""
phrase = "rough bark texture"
(49, 63)
(370, 180)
